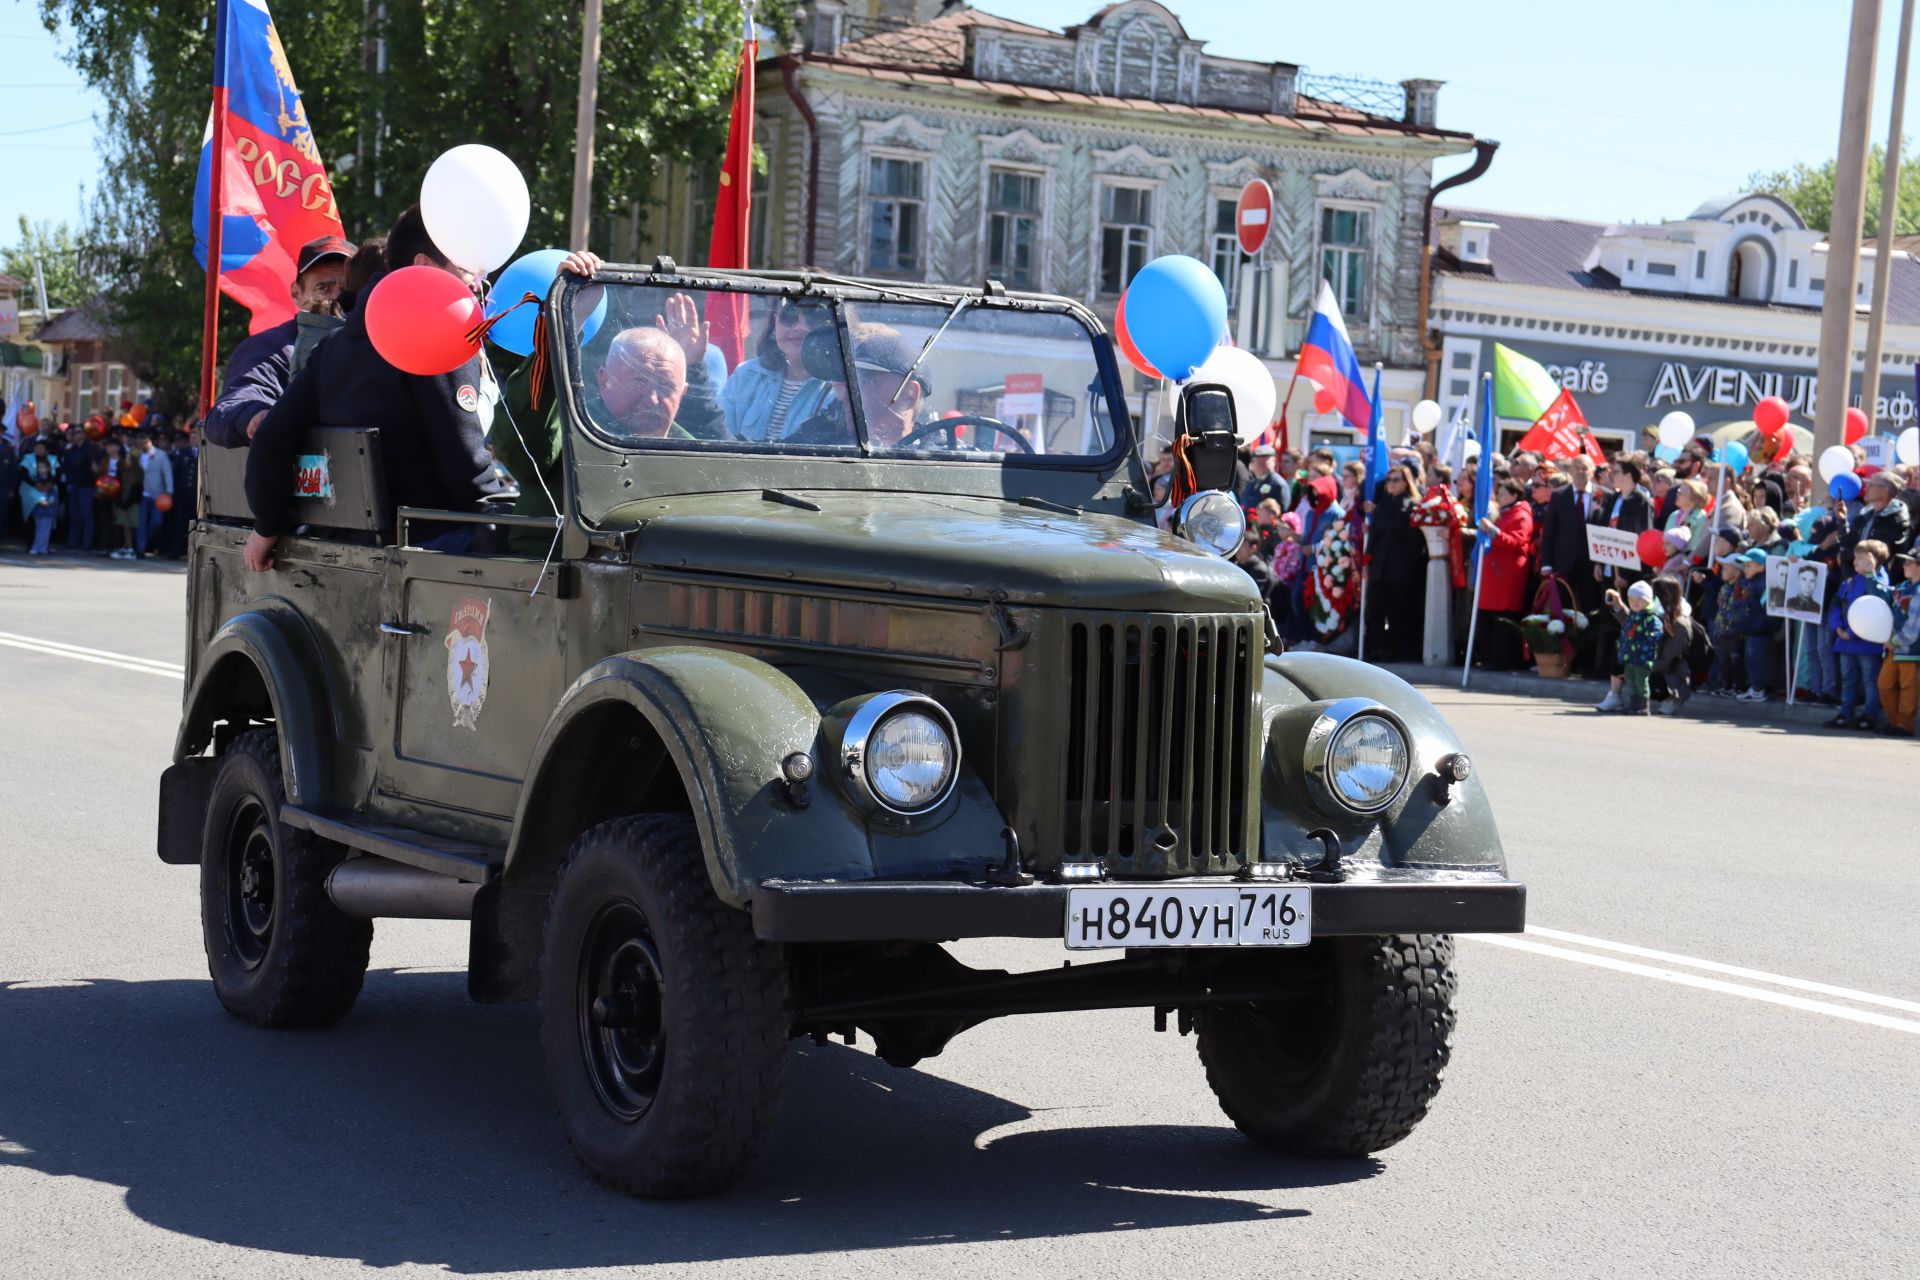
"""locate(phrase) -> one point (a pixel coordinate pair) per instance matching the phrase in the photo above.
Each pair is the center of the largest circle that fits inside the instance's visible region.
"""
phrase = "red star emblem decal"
(467, 665)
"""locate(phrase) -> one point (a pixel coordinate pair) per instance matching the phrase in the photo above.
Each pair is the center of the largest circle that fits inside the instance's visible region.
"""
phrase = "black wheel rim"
(619, 1010)
(250, 883)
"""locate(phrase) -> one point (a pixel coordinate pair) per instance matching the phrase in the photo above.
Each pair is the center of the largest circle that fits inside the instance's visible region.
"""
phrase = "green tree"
(70, 265)
(502, 72)
(1809, 188)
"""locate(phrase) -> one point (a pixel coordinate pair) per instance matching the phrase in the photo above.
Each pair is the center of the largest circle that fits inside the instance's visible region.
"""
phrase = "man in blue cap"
(260, 367)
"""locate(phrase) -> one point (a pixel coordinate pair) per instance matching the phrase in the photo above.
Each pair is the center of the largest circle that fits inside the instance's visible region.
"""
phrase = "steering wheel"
(951, 426)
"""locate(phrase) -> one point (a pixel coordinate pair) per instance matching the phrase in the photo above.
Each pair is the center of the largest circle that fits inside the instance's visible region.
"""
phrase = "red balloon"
(1782, 446)
(1124, 340)
(1652, 546)
(1323, 400)
(107, 488)
(1770, 415)
(163, 503)
(418, 319)
(1856, 424)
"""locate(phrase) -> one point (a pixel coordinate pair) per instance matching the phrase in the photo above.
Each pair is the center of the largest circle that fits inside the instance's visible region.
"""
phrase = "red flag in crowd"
(1561, 432)
(732, 211)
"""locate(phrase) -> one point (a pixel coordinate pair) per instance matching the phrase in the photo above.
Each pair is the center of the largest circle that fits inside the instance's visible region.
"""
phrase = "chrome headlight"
(1357, 757)
(1213, 520)
(900, 753)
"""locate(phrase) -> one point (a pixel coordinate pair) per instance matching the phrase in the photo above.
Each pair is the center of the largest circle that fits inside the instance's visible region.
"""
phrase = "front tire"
(663, 1019)
(280, 953)
(1347, 1075)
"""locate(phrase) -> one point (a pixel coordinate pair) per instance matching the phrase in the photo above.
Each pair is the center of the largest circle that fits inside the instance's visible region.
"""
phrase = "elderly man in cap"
(1267, 483)
(260, 367)
(1882, 516)
(881, 358)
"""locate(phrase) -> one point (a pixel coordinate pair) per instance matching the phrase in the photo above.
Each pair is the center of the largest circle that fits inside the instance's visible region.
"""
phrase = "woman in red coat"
(1504, 573)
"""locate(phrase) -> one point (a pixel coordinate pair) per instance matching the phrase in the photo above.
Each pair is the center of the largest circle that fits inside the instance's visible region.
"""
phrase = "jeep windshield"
(955, 377)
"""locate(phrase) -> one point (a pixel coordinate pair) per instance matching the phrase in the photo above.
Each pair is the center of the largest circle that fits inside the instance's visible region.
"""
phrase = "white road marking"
(1867, 1016)
(1730, 970)
(103, 657)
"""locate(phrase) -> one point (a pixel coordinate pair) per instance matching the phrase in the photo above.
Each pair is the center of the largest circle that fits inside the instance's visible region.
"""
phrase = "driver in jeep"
(880, 360)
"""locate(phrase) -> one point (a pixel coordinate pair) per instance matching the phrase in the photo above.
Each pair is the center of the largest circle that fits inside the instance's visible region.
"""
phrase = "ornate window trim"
(1043, 262)
(1352, 186)
(1373, 210)
(903, 132)
(925, 159)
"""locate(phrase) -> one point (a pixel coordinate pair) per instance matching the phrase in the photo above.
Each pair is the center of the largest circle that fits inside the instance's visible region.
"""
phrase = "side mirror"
(1207, 418)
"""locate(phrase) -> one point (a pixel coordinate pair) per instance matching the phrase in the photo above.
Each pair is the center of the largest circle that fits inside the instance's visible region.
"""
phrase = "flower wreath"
(1441, 510)
(1329, 591)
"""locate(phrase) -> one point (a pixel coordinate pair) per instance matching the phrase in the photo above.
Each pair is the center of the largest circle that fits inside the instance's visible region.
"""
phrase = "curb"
(1587, 693)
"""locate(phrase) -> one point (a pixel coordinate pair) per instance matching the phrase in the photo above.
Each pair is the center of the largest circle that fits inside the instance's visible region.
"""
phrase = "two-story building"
(1706, 313)
(921, 141)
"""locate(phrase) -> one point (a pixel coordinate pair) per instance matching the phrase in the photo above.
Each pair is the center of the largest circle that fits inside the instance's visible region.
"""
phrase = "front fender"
(727, 720)
(1420, 829)
(271, 642)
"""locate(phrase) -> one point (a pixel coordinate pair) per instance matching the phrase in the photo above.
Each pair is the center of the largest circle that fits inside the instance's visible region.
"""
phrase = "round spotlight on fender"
(1357, 758)
(900, 753)
(1213, 520)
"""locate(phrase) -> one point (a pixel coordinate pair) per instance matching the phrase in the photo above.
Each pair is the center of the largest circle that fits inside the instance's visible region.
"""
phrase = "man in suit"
(1563, 540)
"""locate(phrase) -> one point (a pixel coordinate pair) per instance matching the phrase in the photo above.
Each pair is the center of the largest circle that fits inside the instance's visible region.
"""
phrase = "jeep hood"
(938, 545)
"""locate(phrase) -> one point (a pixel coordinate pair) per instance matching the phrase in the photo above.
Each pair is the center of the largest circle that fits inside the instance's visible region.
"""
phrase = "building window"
(116, 387)
(1818, 286)
(1700, 264)
(83, 406)
(1631, 265)
(1459, 387)
(896, 215)
(760, 218)
(1793, 274)
(1126, 235)
(1013, 228)
(1473, 248)
(1463, 359)
(1346, 246)
(1224, 257)
(1660, 269)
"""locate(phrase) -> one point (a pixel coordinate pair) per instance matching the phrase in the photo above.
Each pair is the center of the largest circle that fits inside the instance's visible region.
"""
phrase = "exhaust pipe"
(370, 887)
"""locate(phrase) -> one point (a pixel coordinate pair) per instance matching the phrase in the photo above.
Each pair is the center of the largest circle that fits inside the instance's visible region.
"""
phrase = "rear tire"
(280, 953)
(663, 1020)
(1348, 1075)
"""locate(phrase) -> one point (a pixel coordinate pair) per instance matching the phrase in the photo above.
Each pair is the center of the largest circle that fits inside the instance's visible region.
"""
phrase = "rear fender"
(1427, 826)
(265, 647)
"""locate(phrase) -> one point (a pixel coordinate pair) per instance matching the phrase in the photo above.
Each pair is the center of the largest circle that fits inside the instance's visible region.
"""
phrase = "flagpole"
(1366, 517)
(1482, 501)
(216, 190)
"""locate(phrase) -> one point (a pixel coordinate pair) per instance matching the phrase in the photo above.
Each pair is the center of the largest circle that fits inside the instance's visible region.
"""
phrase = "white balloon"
(1836, 460)
(475, 205)
(1907, 447)
(1870, 618)
(1676, 429)
(1426, 416)
(1254, 393)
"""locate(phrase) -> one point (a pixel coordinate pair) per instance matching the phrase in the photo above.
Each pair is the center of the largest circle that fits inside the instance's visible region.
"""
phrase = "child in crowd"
(1729, 644)
(1756, 628)
(1677, 540)
(1725, 542)
(1640, 635)
(1900, 673)
(1287, 562)
(1673, 665)
(1859, 659)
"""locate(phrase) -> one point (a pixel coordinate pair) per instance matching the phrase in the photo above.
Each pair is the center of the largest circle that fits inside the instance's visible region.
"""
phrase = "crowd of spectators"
(1693, 620)
(122, 491)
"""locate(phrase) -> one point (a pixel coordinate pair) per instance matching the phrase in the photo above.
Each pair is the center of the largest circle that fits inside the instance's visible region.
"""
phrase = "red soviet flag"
(727, 313)
(1561, 432)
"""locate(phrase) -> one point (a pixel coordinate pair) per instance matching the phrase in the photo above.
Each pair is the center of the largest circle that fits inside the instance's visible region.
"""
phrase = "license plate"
(1189, 916)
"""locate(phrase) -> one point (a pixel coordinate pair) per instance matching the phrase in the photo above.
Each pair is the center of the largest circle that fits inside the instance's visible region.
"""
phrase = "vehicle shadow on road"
(419, 1131)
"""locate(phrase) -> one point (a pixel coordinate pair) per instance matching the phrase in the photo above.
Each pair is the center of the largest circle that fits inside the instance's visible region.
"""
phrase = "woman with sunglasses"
(769, 396)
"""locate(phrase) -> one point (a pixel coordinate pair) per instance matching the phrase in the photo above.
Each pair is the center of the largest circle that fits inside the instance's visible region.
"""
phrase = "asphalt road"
(1606, 1113)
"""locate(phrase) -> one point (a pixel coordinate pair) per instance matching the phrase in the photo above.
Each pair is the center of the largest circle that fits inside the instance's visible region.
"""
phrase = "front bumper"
(1391, 900)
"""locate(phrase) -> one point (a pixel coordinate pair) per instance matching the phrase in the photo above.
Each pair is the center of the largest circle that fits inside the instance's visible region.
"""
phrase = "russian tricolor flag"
(1327, 359)
(274, 193)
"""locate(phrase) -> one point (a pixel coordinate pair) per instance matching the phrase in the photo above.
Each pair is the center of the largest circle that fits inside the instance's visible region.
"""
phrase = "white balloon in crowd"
(1676, 429)
(1907, 447)
(476, 207)
(1835, 460)
(1871, 618)
(1426, 416)
(1244, 375)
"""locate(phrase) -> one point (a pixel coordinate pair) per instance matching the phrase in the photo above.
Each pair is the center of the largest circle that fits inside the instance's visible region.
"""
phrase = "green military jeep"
(869, 645)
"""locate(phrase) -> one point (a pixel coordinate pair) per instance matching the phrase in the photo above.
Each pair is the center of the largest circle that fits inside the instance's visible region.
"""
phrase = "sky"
(1636, 110)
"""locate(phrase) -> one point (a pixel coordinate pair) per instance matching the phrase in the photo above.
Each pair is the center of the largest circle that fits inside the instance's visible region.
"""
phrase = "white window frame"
(925, 160)
(762, 209)
(694, 250)
(1373, 210)
(1215, 197)
(1043, 221)
(1156, 189)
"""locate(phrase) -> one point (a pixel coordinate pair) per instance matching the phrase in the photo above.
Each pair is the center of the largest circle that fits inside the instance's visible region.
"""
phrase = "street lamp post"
(1883, 246)
(583, 125)
(1843, 234)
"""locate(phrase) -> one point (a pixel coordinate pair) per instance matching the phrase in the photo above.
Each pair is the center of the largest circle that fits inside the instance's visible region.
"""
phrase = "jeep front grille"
(1159, 760)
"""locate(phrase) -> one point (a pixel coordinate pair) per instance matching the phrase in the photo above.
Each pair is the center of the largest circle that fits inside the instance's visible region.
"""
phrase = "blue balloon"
(531, 273)
(1845, 486)
(1733, 453)
(1666, 453)
(1176, 314)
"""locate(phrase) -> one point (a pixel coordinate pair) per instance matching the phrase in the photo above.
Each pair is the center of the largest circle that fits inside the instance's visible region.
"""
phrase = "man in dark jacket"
(432, 428)
(1267, 483)
(260, 367)
(1883, 517)
(1563, 542)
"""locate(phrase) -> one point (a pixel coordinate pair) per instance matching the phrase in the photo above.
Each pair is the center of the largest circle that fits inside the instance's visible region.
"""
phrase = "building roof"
(934, 53)
(12, 283)
(84, 323)
(1548, 253)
